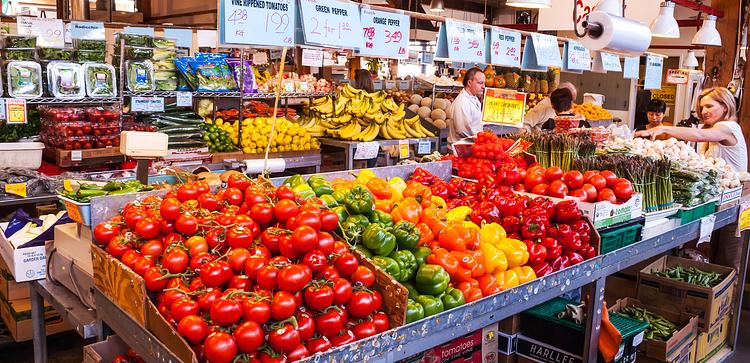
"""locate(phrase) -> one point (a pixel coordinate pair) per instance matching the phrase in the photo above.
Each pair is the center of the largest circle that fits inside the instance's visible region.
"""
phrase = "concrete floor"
(742, 354)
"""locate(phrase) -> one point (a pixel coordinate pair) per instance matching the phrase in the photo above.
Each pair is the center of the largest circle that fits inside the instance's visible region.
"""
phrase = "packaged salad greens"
(91, 56)
(19, 53)
(164, 54)
(187, 72)
(214, 76)
(140, 76)
(19, 41)
(137, 52)
(24, 79)
(136, 40)
(166, 80)
(51, 54)
(90, 44)
(164, 43)
(100, 80)
(66, 80)
(247, 81)
(165, 64)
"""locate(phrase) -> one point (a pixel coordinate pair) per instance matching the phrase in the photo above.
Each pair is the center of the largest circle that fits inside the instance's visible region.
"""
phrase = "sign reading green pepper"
(407, 235)
(378, 240)
(431, 279)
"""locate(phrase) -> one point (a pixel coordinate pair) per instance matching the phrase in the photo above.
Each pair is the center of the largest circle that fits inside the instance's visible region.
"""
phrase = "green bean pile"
(691, 276)
(659, 328)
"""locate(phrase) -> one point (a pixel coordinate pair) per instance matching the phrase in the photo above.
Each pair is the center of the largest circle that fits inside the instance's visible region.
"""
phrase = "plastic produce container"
(697, 212)
(620, 235)
(26, 155)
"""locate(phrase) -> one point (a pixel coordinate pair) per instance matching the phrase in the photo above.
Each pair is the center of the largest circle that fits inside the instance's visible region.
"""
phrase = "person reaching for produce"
(562, 103)
(466, 111)
(655, 112)
(721, 132)
(543, 110)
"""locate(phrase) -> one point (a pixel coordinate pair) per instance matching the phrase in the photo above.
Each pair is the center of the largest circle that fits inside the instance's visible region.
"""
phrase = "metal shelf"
(70, 307)
(65, 101)
(250, 96)
(28, 200)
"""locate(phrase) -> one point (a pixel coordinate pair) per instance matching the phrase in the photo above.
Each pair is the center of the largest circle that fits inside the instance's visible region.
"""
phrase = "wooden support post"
(723, 57)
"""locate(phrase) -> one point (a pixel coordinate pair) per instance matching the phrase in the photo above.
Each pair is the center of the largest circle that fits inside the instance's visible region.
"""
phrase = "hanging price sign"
(546, 49)
(332, 23)
(49, 32)
(386, 34)
(461, 41)
(504, 107)
(87, 30)
(632, 68)
(654, 65)
(257, 22)
(505, 48)
(15, 110)
(403, 149)
(577, 57)
(677, 76)
(184, 99)
(147, 104)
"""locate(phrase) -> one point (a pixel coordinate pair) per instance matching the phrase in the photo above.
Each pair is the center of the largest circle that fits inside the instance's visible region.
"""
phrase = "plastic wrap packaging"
(90, 44)
(132, 52)
(140, 76)
(165, 65)
(164, 43)
(166, 79)
(214, 76)
(52, 54)
(247, 81)
(19, 41)
(24, 79)
(187, 72)
(100, 80)
(91, 56)
(164, 54)
(27, 54)
(136, 40)
(66, 80)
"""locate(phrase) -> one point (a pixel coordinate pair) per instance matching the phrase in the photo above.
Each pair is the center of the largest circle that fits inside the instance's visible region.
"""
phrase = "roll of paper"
(256, 166)
(619, 35)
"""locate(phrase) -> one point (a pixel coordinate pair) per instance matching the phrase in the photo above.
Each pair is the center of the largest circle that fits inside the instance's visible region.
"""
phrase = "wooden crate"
(64, 158)
(394, 294)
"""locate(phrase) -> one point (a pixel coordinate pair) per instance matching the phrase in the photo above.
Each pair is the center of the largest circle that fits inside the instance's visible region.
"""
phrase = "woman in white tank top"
(718, 112)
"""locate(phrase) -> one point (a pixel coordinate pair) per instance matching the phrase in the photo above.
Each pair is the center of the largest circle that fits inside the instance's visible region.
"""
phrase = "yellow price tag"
(403, 149)
(744, 220)
(504, 107)
(18, 189)
(16, 111)
(73, 212)
(68, 185)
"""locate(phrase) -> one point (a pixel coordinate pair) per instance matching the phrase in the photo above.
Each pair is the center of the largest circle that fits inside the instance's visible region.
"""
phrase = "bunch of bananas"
(261, 77)
(357, 115)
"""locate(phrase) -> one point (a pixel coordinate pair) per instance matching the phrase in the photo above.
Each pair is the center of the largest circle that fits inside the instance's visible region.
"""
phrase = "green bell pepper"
(431, 279)
(340, 195)
(363, 249)
(421, 253)
(319, 185)
(407, 235)
(329, 201)
(413, 293)
(452, 298)
(432, 305)
(378, 240)
(341, 213)
(359, 201)
(407, 262)
(414, 311)
(383, 218)
(387, 264)
(304, 191)
(354, 226)
(294, 180)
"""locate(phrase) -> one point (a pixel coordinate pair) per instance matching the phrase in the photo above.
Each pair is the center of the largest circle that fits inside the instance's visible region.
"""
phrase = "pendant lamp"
(708, 35)
(665, 25)
(530, 4)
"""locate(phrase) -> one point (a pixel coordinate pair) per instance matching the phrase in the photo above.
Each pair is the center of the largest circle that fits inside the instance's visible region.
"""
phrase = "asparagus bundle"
(557, 149)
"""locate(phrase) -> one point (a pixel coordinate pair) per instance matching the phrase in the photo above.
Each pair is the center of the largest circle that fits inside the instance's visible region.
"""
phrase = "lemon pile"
(592, 112)
(256, 131)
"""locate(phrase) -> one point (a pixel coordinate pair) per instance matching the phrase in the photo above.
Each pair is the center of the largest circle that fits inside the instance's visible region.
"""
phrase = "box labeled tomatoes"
(604, 214)
(480, 346)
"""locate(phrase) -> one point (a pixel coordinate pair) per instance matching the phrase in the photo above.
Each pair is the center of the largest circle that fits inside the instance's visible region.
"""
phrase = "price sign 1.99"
(257, 22)
(49, 32)
(332, 23)
(386, 34)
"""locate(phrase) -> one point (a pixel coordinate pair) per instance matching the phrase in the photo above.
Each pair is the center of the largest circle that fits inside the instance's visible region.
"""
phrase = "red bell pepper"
(422, 176)
(537, 252)
(471, 290)
(512, 224)
(541, 269)
(456, 187)
(487, 212)
(553, 248)
(532, 229)
(544, 203)
(569, 239)
(488, 285)
(560, 263)
(583, 229)
(440, 189)
(537, 213)
(567, 212)
(587, 252)
(441, 256)
(573, 258)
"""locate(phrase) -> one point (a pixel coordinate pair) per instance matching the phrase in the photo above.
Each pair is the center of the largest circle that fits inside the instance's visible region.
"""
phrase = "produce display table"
(293, 159)
(350, 147)
(83, 320)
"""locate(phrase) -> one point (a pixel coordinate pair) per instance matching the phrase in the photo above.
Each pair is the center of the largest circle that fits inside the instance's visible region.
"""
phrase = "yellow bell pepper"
(459, 214)
(471, 225)
(507, 279)
(524, 273)
(494, 259)
(492, 233)
(438, 202)
(364, 176)
(516, 252)
(397, 186)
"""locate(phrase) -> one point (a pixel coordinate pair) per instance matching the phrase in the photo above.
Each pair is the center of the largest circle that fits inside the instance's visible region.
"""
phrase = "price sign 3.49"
(386, 34)
(257, 22)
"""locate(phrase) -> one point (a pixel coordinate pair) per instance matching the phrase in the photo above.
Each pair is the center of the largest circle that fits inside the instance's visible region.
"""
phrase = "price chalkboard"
(386, 34)
(257, 22)
(504, 48)
(331, 23)
(461, 41)
(504, 107)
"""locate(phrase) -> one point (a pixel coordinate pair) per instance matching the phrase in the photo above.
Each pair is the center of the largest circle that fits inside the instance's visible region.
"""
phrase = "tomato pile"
(252, 271)
(490, 153)
(130, 357)
(591, 186)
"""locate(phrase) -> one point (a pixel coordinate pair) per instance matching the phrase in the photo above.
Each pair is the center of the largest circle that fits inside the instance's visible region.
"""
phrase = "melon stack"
(436, 114)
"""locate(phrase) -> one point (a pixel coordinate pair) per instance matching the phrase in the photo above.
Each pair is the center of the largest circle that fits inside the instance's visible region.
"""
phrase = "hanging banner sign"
(332, 23)
(677, 76)
(87, 30)
(632, 68)
(461, 41)
(547, 50)
(386, 34)
(504, 107)
(577, 57)
(504, 48)
(257, 22)
(654, 66)
(49, 32)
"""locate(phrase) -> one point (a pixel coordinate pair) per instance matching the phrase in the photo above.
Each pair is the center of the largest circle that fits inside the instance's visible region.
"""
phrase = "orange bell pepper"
(488, 285)
(459, 237)
(479, 270)
(468, 261)
(420, 192)
(379, 188)
(471, 290)
(384, 205)
(425, 234)
(435, 218)
(408, 210)
(441, 256)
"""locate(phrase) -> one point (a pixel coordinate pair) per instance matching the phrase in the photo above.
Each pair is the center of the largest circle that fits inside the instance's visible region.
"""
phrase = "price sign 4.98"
(385, 33)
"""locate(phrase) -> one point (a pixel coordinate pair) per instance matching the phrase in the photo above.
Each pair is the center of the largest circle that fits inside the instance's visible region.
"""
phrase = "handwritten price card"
(505, 48)
(332, 23)
(632, 68)
(15, 111)
(49, 32)
(547, 50)
(257, 22)
(87, 30)
(386, 34)
(577, 57)
(677, 76)
(465, 41)
(504, 107)
(654, 65)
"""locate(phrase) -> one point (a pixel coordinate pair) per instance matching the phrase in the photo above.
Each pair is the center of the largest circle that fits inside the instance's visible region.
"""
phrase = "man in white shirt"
(466, 110)
(543, 111)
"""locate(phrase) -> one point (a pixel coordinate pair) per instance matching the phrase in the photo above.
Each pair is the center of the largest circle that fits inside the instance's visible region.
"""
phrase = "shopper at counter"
(561, 100)
(543, 110)
(466, 110)
(721, 132)
(655, 113)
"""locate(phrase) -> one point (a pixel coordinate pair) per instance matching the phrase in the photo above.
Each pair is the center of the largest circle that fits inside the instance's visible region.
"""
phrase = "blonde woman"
(718, 113)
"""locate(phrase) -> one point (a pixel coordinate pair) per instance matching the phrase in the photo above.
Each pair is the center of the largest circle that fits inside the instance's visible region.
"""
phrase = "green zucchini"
(185, 144)
(182, 120)
(180, 129)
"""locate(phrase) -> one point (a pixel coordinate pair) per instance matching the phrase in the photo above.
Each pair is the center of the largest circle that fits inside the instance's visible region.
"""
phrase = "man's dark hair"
(561, 99)
(656, 106)
(470, 75)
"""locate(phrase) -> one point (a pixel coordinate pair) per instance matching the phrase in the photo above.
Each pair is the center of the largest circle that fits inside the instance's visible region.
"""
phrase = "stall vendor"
(466, 110)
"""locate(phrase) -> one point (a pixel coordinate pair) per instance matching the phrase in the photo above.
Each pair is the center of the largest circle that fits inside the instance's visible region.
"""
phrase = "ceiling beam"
(698, 6)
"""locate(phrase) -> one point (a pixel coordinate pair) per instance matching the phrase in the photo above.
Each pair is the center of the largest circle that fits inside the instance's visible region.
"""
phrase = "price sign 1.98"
(386, 34)
(257, 22)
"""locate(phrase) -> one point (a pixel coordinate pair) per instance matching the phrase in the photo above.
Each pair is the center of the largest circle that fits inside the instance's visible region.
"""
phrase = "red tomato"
(364, 276)
(553, 173)
(541, 189)
(283, 305)
(233, 196)
(285, 339)
(176, 261)
(197, 261)
(305, 325)
(187, 192)
(574, 179)
(580, 194)
(249, 336)
(117, 247)
(329, 273)
(284, 192)
(316, 260)
(294, 278)
(196, 245)
(193, 328)
(256, 310)
(360, 304)
(330, 323)
(318, 297)
(623, 190)
(220, 347)
(262, 213)
(326, 243)
(317, 345)
(364, 329)
(103, 232)
(186, 224)
(206, 300)
(225, 312)
(143, 264)
(130, 257)
(558, 189)
(154, 280)
(342, 291)
(285, 209)
(346, 264)
(381, 321)
(591, 192)
(606, 194)
(184, 307)
(287, 248)
(329, 221)
(208, 201)
(216, 273)
(305, 238)
(239, 236)
(610, 177)
(587, 175)
(239, 181)
(598, 182)
(533, 179)
(305, 218)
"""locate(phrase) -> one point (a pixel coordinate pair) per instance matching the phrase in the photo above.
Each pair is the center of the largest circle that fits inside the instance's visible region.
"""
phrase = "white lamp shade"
(708, 35)
(609, 6)
(437, 6)
(530, 4)
(690, 60)
(665, 25)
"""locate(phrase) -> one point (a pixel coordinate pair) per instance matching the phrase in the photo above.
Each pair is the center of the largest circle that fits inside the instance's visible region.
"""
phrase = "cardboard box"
(25, 264)
(672, 349)
(604, 214)
(536, 351)
(686, 355)
(477, 347)
(74, 242)
(9, 288)
(509, 325)
(502, 358)
(711, 342)
(709, 304)
(17, 317)
(66, 272)
(104, 351)
(619, 286)
(506, 343)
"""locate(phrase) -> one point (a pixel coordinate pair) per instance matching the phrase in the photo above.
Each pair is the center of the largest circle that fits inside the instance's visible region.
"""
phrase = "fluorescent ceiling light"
(708, 35)
(665, 25)
(531, 4)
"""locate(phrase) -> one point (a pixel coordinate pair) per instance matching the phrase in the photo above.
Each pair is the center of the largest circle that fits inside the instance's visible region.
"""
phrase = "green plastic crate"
(697, 212)
(620, 237)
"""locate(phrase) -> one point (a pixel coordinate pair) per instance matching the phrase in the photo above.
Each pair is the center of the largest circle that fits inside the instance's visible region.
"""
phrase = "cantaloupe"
(442, 104)
(427, 102)
(441, 124)
(415, 99)
(413, 108)
(437, 114)
(424, 112)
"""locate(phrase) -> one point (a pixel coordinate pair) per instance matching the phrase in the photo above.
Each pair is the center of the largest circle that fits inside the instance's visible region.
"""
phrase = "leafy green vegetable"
(212, 76)
(20, 41)
(19, 54)
(138, 53)
(91, 56)
(140, 76)
(164, 54)
(56, 54)
(138, 40)
(165, 64)
(100, 80)
(90, 44)
(24, 79)
(164, 43)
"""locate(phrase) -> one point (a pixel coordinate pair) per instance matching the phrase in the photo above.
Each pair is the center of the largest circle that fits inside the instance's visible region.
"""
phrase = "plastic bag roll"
(619, 35)
(256, 166)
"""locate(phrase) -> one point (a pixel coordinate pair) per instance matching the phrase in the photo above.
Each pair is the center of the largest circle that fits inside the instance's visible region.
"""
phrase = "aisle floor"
(742, 354)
